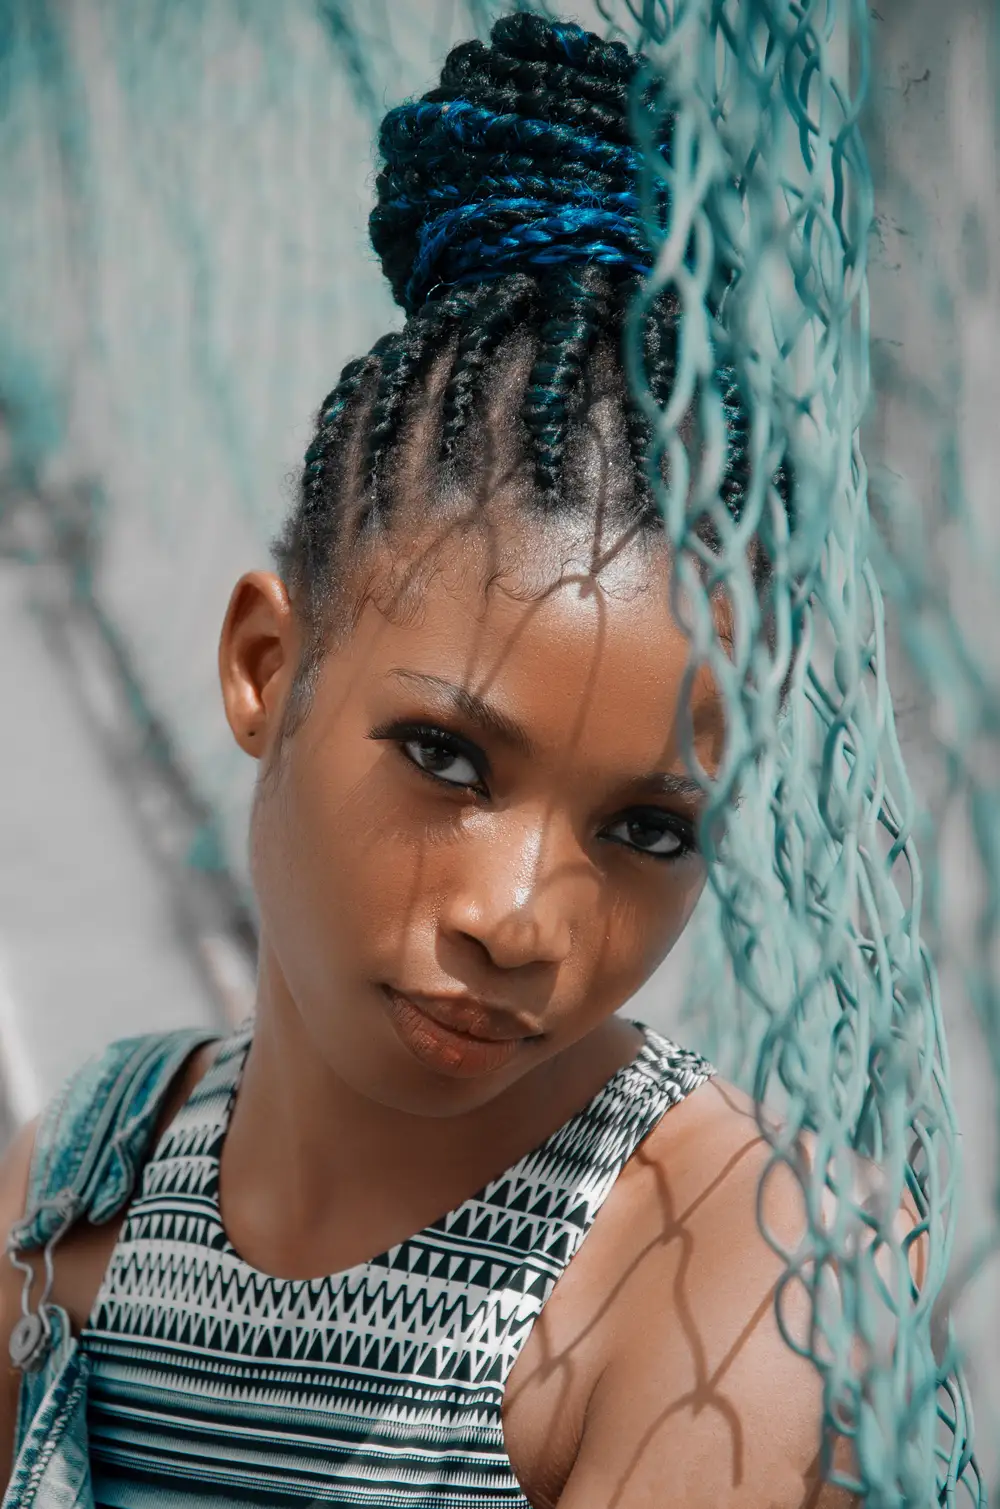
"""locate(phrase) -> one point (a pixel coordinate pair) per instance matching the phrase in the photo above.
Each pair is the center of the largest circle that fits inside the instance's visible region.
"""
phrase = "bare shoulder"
(80, 1259)
(696, 1385)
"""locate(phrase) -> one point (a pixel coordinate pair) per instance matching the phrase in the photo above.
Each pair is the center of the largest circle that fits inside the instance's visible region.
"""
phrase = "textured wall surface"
(934, 139)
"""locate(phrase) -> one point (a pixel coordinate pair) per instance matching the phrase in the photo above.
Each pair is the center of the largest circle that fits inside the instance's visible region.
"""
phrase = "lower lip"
(442, 1048)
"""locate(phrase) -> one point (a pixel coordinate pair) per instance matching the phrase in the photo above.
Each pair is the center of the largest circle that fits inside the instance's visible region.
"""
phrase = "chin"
(420, 1092)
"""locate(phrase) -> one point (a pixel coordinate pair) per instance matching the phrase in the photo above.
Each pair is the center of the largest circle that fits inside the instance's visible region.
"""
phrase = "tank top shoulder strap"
(186, 1158)
(566, 1180)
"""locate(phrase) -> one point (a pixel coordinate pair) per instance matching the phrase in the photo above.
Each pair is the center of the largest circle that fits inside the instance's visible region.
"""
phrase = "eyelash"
(402, 734)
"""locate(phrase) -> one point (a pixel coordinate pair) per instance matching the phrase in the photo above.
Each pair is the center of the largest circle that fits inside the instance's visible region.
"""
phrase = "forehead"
(570, 634)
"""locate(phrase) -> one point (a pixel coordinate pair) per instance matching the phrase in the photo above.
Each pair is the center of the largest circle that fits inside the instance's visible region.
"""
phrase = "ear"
(258, 656)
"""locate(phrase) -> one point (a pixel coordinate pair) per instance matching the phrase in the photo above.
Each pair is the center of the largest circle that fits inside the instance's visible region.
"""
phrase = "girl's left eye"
(439, 757)
(653, 833)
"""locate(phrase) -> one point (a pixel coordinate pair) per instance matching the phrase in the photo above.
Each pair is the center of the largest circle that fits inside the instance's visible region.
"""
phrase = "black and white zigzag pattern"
(381, 1386)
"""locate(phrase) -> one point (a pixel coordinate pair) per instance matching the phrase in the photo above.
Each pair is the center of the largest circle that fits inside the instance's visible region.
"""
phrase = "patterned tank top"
(378, 1387)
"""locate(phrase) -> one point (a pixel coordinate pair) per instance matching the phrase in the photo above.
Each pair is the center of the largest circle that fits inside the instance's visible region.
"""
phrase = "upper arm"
(14, 1171)
(701, 1401)
(717, 1428)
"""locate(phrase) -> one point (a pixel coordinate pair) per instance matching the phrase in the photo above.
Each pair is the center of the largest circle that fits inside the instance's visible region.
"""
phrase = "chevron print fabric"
(380, 1386)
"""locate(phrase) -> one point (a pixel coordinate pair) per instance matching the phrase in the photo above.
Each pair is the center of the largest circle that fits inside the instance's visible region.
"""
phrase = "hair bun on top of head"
(520, 159)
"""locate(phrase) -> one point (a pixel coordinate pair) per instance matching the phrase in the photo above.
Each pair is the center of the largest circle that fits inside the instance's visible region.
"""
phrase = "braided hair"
(508, 224)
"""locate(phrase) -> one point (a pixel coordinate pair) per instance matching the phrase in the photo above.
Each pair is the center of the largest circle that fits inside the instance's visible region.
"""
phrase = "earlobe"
(257, 657)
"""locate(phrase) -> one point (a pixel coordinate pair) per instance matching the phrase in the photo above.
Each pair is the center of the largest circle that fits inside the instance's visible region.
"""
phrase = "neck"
(316, 1176)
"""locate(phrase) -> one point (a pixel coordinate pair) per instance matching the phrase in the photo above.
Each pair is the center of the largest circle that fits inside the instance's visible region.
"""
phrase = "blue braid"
(553, 256)
(572, 40)
(623, 201)
(544, 239)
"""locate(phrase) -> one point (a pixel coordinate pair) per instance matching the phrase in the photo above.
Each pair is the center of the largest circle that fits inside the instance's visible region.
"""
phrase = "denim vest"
(89, 1151)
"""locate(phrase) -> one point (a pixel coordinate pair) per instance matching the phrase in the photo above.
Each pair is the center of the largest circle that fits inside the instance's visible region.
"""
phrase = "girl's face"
(481, 840)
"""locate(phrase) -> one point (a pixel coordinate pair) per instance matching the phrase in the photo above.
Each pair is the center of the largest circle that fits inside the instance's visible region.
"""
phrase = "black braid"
(661, 372)
(404, 362)
(515, 85)
(512, 303)
(579, 305)
(737, 475)
(331, 419)
(524, 74)
(531, 37)
(302, 549)
(638, 429)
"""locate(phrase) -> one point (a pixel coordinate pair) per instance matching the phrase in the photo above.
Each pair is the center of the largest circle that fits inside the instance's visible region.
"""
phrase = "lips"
(471, 1018)
(457, 1036)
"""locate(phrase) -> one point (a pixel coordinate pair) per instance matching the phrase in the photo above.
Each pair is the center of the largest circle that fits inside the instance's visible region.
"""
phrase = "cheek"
(340, 867)
(644, 923)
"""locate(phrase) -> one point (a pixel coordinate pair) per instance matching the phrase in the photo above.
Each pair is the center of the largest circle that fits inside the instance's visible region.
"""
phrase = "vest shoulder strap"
(94, 1136)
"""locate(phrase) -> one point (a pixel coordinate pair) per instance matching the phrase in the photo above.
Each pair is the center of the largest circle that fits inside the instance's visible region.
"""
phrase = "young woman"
(441, 1228)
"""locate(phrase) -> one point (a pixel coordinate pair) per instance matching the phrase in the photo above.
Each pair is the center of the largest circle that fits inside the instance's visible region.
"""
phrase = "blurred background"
(184, 269)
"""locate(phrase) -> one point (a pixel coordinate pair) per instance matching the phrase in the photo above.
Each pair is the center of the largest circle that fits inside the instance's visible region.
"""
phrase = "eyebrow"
(666, 783)
(476, 709)
(508, 731)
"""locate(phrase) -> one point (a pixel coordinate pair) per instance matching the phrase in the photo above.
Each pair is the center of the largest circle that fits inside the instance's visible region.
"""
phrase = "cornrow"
(402, 364)
(330, 420)
(659, 370)
(304, 546)
(507, 206)
(568, 337)
(734, 482)
(512, 302)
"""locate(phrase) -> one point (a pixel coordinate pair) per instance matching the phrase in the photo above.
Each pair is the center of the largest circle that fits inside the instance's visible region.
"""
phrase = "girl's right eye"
(437, 756)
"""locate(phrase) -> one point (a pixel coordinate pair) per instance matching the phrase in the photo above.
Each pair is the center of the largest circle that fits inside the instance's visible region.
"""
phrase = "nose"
(519, 891)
